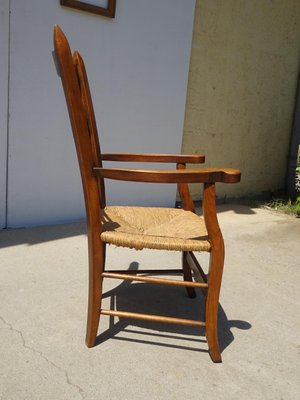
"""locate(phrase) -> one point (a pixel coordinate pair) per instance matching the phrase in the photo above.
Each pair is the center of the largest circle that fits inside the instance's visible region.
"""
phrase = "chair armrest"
(159, 158)
(203, 175)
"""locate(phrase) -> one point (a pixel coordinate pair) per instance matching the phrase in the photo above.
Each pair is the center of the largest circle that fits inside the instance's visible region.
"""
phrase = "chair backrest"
(83, 122)
(91, 120)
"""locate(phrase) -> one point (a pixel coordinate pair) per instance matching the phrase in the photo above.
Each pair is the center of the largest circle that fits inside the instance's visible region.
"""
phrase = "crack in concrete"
(26, 346)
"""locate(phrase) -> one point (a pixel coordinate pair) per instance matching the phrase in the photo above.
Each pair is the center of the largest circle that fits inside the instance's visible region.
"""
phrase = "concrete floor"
(43, 294)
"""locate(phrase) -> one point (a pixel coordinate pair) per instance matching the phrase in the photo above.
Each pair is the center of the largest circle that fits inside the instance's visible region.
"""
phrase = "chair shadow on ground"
(168, 301)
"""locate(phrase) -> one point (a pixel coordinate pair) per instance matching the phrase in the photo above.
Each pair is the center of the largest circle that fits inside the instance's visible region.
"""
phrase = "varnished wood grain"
(184, 192)
(91, 120)
(161, 281)
(159, 158)
(173, 271)
(215, 271)
(196, 267)
(204, 175)
(83, 123)
(187, 275)
(80, 128)
(150, 317)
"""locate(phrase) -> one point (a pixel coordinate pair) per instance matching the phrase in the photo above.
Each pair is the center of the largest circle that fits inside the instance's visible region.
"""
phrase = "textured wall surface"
(242, 85)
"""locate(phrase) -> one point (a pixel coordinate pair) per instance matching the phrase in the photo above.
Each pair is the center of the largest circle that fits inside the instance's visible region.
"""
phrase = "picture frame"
(108, 11)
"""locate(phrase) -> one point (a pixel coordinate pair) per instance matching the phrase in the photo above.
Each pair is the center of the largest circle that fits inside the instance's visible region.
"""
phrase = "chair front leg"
(215, 272)
(212, 303)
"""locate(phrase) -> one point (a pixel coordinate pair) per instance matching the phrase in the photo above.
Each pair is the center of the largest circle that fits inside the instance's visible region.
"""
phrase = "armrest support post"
(184, 192)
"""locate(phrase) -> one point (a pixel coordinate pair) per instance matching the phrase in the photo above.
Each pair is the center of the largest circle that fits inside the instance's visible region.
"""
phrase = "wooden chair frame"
(93, 173)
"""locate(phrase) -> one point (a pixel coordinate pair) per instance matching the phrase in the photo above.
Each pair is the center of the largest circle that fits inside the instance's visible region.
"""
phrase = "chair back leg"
(187, 275)
(96, 267)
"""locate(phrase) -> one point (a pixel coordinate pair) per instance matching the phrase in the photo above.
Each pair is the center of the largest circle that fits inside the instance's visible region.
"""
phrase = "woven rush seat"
(154, 228)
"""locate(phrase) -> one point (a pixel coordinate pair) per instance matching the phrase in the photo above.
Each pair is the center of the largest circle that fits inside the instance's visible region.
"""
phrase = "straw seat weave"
(154, 228)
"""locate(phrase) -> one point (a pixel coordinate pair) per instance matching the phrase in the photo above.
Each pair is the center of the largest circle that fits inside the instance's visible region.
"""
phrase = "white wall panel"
(4, 61)
(138, 67)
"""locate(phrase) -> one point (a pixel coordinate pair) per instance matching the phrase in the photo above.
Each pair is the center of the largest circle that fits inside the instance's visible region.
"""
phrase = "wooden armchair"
(142, 227)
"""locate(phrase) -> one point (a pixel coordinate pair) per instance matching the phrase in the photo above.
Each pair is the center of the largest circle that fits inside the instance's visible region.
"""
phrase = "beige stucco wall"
(241, 92)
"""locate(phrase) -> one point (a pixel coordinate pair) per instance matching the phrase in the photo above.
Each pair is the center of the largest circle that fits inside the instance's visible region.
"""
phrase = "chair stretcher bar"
(151, 317)
(154, 280)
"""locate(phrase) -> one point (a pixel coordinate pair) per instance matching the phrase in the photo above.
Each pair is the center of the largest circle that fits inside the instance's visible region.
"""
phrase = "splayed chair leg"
(212, 331)
(216, 264)
(212, 303)
(96, 267)
(187, 274)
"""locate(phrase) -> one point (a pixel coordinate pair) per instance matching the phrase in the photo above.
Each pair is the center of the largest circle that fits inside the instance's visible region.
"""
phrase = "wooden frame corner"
(108, 11)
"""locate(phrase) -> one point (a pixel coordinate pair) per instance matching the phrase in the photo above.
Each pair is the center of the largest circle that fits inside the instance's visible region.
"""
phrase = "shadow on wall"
(171, 301)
